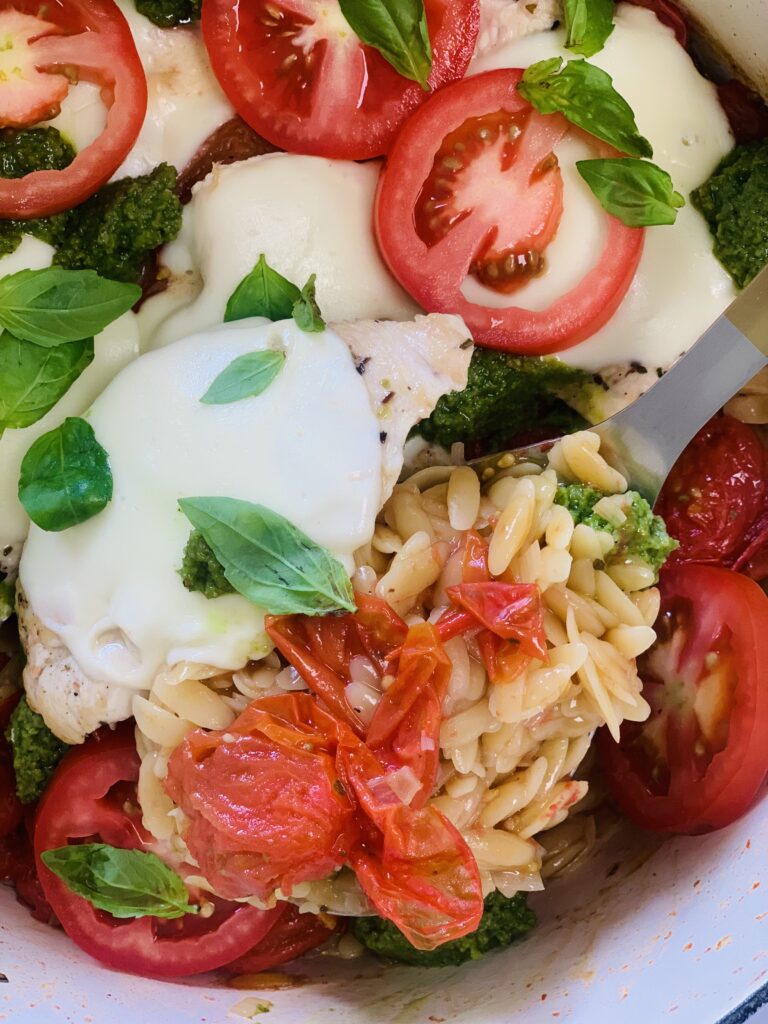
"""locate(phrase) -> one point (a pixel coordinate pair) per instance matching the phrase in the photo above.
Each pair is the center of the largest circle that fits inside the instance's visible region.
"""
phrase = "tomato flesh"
(92, 796)
(700, 759)
(472, 189)
(296, 72)
(89, 39)
(293, 935)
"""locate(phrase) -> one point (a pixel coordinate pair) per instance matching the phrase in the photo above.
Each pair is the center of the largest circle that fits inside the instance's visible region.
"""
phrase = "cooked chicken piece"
(407, 368)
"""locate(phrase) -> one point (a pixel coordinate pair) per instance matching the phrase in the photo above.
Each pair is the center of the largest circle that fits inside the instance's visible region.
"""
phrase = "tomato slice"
(295, 71)
(51, 44)
(293, 935)
(700, 760)
(472, 188)
(715, 493)
(92, 796)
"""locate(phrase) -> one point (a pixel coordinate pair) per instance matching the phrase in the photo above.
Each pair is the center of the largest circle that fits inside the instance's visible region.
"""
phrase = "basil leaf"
(65, 477)
(588, 23)
(245, 377)
(584, 94)
(398, 30)
(639, 193)
(306, 311)
(125, 883)
(263, 292)
(35, 378)
(268, 560)
(55, 306)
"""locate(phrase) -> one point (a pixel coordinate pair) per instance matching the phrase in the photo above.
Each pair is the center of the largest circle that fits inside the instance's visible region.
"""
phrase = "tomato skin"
(715, 493)
(293, 935)
(11, 809)
(434, 274)
(100, 46)
(342, 101)
(699, 785)
(75, 806)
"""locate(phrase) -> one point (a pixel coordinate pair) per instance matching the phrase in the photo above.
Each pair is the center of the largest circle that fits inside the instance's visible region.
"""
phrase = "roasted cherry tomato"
(715, 493)
(92, 796)
(293, 935)
(472, 194)
(297, 73)
(51, 45)
(701, 758)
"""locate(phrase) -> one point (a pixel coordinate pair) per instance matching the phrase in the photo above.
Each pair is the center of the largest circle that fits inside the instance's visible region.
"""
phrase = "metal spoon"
(644, 440)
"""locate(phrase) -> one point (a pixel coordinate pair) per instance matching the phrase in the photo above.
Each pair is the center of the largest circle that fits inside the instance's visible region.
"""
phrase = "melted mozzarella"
(185, 102)
(501, 21)
(679, 288)
(114, 348)
(306, 214)
(308, 448)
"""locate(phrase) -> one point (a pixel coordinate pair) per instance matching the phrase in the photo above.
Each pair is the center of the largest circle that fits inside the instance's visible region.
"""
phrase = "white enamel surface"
(306, 214)
(114, 348)
(110, 587)
(677, 110)
(185, 102)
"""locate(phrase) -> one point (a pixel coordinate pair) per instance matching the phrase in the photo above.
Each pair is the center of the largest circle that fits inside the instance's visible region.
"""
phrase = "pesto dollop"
(201, 570)
(36, 751)
(168, 13)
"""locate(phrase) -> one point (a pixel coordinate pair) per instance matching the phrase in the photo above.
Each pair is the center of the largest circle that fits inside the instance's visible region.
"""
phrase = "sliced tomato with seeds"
(700, 759)
(92, 797)
(47, 47)
(472, 193)
(298, 74)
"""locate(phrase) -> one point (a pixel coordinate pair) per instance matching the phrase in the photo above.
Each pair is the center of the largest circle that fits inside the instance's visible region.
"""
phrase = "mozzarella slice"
(185, 102)
(679, 288)
(105, 599)
(501, 21)
(306, 214)
(114, 348)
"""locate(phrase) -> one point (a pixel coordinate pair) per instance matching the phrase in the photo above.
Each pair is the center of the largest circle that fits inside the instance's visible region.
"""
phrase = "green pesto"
(36, 751)
(503, 921)
(7, 593)
(114, 231)
(734, 202)
(506, 396)
(201, 571)
(643, 535)
(167, 13)
(24, 151)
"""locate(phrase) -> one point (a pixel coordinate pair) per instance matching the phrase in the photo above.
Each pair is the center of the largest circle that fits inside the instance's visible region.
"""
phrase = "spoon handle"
(645, 439)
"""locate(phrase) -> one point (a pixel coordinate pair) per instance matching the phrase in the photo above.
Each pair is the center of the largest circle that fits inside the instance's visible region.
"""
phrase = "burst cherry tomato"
(91, 796)
(699, 761)
(472, 193)
(54, 44)
(293, 935)
(715, 493)
(297, 73)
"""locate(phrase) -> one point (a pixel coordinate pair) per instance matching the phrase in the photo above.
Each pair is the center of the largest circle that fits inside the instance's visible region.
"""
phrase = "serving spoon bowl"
(644, 440)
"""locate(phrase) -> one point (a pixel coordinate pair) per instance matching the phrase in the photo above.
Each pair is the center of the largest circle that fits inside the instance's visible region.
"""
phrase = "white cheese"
(308, 448)
(185, 102)
(501, 21)
(306, 214)
(114, 348)
(679, 288)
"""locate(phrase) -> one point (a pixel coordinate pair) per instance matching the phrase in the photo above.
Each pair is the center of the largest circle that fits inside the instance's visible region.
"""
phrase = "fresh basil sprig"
(65, 477)
(306, 311)
(55, 306)
(34, 378)
(245, 377)
(588, 23)
(398, 30)
(639, 193)
(125, 883)
(263, 292)
(268, 560)
(584, 94)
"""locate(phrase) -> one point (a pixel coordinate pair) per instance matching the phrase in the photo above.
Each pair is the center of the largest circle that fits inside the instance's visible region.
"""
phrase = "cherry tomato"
(11, 809)
(700, 760)
(53, 43)
(715, 492)
(92, 795)
(511, 611)
(293, 935)
(295, 71)
(747, 112)
(472, 193)
(17, 868)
